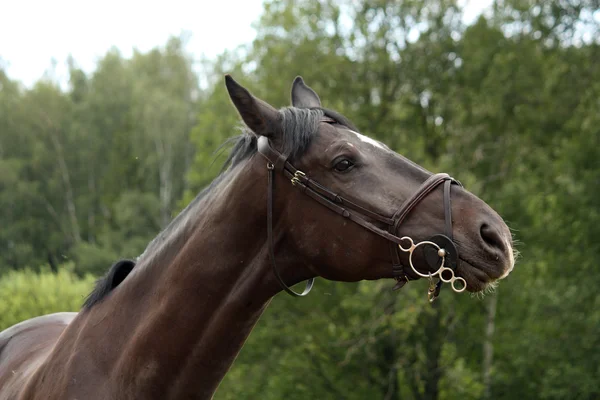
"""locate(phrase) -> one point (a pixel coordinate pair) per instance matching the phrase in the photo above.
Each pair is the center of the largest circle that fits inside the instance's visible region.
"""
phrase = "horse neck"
(186, 312)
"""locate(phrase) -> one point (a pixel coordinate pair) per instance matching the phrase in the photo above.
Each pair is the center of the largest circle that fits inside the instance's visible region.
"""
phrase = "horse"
(303, 195)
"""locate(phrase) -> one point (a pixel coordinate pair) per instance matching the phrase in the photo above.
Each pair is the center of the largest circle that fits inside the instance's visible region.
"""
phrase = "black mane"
(339, 118)
(115, 275)
(299, 125)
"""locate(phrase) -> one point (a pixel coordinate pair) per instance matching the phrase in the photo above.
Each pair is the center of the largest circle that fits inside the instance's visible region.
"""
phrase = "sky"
(34, 32)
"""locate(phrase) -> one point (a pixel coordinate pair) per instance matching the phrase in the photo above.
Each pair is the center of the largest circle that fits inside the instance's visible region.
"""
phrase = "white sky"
(33, 32)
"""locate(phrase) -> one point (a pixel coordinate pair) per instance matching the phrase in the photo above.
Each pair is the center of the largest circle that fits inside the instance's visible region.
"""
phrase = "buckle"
(298, 175)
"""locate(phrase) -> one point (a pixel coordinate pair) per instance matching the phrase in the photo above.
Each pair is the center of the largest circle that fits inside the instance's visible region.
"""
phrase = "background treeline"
(509, 104)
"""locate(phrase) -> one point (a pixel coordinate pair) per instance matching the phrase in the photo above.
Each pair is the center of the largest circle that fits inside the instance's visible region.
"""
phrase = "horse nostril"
(492, 237)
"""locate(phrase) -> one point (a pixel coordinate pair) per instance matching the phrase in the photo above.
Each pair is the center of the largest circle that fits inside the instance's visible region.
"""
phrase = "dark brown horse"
(305, 195)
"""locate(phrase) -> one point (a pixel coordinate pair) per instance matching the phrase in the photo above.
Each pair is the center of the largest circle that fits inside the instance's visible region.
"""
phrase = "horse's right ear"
(303, 96)
(259, 116)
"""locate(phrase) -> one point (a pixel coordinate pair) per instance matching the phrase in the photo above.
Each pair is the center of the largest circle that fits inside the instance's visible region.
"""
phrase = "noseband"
(439, 251)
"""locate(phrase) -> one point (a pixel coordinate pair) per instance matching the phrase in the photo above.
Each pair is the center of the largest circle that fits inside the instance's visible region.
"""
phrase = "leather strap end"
(399, 285)
(274, 157)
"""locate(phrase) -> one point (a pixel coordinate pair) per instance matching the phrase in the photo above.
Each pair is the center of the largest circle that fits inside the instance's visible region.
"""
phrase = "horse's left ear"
(303, 96)
(260, 117)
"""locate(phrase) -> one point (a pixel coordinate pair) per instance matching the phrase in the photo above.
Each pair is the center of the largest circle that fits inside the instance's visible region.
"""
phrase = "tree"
(26, 294)
(509, 105)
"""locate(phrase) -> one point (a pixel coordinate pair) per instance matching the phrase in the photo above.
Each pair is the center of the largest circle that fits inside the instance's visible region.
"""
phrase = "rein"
(438, 248)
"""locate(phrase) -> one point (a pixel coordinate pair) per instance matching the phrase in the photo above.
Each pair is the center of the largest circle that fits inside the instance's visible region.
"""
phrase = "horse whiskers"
(489, 289)
(516, 254)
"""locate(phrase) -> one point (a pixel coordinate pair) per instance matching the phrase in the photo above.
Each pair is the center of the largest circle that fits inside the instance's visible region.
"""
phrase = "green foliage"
(91, 173)
(515, 118)
(509, 105)
(26, 294)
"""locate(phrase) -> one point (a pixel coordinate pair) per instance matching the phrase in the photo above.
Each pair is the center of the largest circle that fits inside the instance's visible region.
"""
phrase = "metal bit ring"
(441, 271)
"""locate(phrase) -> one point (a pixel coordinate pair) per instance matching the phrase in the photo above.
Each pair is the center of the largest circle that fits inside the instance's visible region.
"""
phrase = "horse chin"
(478, 280)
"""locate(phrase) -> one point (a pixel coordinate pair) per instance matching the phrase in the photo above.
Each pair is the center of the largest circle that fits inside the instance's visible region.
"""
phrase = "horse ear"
(303, 96)
(259, 116)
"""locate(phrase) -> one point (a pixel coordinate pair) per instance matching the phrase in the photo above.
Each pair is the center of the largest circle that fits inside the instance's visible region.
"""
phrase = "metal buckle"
(297, 176)
(431, 291)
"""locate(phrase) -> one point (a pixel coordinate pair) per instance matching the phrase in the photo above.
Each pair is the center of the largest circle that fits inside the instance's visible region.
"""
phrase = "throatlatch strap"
(311, 281)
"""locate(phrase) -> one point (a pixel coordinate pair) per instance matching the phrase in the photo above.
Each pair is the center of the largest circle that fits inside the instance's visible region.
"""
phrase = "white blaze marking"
(367, 139)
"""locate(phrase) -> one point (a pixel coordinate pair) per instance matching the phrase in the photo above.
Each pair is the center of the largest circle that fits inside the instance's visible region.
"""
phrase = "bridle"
(438, 248)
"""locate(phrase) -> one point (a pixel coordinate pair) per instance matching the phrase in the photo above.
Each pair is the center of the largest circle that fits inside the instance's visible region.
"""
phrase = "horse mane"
(299, 126)
(115, 275)
(337, 117)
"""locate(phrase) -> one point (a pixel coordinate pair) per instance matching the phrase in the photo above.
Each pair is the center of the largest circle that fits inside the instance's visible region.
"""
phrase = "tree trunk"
(165, 167)
(52, 262)
(391, 390)
(92, 208)
(488, 345)
(66, 179)
(433, 350)
(69, 198)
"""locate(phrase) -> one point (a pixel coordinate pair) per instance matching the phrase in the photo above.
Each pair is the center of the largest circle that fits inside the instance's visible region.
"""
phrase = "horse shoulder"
(24, 346)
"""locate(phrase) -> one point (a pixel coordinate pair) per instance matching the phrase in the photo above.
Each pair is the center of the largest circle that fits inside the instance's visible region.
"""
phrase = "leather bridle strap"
(324, 196)
(448, 208)
(426, 187)
(346, 208)
(271, 244)
(448, 220)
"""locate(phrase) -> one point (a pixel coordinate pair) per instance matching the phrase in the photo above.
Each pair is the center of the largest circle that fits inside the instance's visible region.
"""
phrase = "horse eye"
(343, 165)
